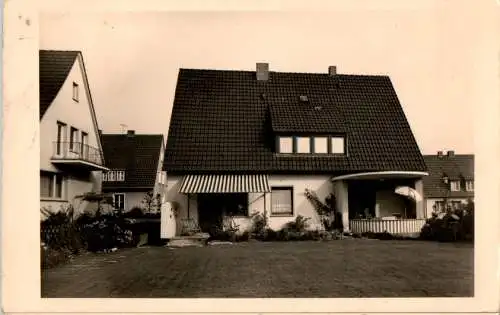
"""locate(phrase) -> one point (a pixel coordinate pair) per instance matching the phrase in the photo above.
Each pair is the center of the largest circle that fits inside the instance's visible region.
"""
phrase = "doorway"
(213, 207)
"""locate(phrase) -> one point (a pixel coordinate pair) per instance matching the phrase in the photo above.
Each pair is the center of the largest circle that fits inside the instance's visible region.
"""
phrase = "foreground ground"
(347, 268)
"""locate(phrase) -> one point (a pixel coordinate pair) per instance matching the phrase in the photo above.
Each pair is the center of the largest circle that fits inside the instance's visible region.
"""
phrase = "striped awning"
(194, 184)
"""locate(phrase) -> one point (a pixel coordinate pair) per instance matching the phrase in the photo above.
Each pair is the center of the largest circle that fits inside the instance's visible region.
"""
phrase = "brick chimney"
(332, 70)
(262, 71)
(440, 154)
(451, 154)
(130, 133)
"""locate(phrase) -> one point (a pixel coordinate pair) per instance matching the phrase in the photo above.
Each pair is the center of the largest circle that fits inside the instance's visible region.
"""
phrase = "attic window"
(75, 92)
(304, 99)
(455, 185)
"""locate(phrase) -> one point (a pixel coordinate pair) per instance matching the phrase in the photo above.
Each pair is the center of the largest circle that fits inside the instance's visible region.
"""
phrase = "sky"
(133, 58)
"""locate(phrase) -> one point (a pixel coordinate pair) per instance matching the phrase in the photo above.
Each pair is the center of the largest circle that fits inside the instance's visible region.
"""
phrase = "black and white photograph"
(265, 154)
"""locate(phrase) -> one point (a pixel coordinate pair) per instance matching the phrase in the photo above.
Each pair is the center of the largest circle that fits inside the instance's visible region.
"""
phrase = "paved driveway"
(344, 268)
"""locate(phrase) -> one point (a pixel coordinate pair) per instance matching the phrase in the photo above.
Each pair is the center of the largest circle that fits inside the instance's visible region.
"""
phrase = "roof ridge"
(60, 50)
(284, 72)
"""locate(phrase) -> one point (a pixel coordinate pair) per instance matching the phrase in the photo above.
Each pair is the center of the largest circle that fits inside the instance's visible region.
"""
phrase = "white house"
(71, 156)
(254, 141)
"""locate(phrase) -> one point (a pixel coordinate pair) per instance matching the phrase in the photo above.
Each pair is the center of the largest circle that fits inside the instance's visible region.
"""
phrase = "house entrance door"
(210, 209)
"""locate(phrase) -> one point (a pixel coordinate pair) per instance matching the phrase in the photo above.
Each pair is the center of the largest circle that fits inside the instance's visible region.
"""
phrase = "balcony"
(77, 155)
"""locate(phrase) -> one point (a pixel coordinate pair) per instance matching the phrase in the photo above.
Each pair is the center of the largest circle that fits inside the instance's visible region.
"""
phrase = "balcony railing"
(71, 151)
(398, 226)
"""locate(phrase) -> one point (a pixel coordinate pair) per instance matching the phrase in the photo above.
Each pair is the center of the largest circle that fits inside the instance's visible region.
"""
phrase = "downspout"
(188, 204)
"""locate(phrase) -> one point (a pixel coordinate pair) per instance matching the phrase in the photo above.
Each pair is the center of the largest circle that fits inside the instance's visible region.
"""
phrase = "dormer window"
(286, 145)
(455, 185)
(321, 145)
(303, 144)
(75, 92)
(469, 185)
(337, 145)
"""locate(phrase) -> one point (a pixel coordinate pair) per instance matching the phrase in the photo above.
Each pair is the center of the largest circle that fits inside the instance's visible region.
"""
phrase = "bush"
(134, 213)
(50, 258)
(449, 227)
(300, 224)
(106, 232)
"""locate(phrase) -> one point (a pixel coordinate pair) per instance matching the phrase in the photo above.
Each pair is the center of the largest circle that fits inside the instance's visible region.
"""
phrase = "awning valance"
(196, 184)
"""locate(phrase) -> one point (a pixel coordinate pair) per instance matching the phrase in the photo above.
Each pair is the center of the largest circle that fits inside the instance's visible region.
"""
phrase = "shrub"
(134, 213)
(50, 258)
(259, 223)
(300, 224)
(106, 232)
(454, 225)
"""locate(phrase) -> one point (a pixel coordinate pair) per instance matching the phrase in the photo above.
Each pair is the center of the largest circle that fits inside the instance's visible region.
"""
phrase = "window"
(72, 139)
(303, 145)
(286, 145)
(84, 148)
(119, 201)
(469, 185)
(75, 91)
(236, 205)
(337, 145)
(61, 132)
(455, 185)
(282, 201)
(51, 185)
(113, 176)
(320, 145)
(439, 206)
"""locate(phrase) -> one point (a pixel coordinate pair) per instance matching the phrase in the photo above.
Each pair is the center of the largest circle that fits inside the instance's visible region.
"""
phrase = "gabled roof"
(54, 69)
(457, 167)
(226, 121)
(138, 155)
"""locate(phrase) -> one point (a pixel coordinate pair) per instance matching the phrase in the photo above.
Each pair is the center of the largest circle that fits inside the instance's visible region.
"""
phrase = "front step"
(197, 240)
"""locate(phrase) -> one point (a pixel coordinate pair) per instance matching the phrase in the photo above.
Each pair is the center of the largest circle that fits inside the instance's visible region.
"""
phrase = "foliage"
(134, 213)
(50, 258)
(106, 232)
(300, 224)
(151, 202)
(451, 225)
(259, 223)
(327, 210)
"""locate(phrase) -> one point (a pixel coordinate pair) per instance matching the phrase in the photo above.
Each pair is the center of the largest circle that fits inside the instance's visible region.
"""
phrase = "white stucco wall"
(74, 114)
(320, 184)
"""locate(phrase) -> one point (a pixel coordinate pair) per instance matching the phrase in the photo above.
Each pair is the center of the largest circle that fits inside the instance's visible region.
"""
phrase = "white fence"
(398, 227)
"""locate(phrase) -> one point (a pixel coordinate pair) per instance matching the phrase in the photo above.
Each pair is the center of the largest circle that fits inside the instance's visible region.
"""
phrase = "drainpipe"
(188, 204)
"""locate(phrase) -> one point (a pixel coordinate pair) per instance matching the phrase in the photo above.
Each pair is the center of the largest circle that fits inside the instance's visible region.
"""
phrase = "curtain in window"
(281, 201)
(45, 185)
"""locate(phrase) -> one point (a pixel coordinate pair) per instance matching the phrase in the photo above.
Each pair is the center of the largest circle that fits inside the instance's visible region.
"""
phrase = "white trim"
(91, 103)
(383, 174)
(79, 161)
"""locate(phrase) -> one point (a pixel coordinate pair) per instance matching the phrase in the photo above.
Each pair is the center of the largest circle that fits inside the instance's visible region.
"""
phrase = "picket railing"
(396, 227)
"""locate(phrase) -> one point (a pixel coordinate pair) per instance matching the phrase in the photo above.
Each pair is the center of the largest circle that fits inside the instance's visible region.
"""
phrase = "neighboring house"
(135, 168)
(253, 141)
(70, 149)
(451, 179)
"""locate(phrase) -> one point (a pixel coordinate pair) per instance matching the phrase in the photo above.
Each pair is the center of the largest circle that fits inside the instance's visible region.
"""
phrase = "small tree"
(151, 202)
